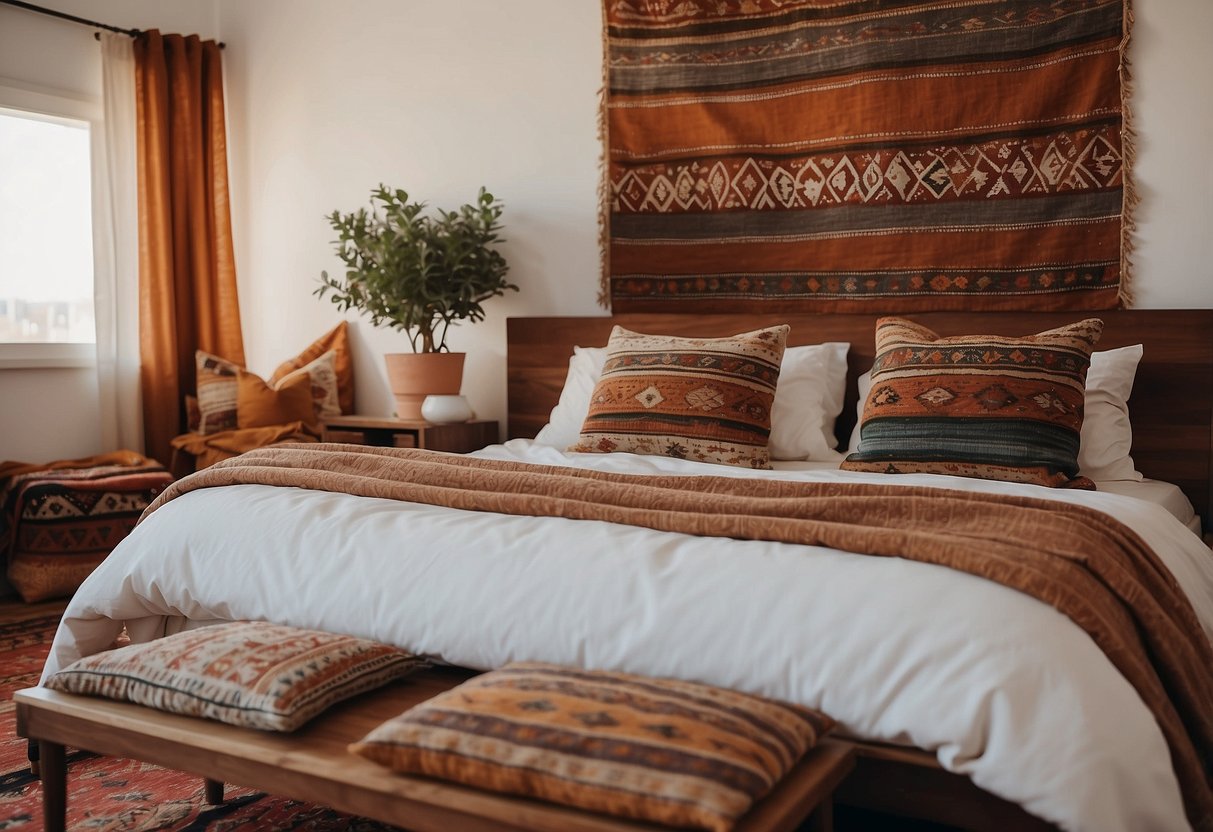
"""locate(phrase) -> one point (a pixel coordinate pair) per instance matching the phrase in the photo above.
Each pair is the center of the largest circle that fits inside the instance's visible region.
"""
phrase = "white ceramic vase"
(443, 410)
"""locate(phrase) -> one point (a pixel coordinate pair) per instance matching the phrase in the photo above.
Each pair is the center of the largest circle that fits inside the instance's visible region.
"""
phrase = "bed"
(925, 668)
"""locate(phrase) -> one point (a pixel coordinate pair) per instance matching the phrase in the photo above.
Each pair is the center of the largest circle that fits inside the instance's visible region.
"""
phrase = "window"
(46, 229)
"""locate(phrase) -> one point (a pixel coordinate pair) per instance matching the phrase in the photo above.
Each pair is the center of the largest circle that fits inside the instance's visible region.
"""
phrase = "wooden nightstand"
(459, 437)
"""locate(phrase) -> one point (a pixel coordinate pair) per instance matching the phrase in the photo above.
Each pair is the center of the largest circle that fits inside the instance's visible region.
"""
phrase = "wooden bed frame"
(1172, 403)
(1172, 414)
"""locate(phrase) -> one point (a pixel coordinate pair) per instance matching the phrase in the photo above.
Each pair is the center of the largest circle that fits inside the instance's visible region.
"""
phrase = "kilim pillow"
(336, 341)
(671, 752)
(706, 399)
(249, 673)
(808, 399)
(216, 380)
(980, 406)
(321, 375)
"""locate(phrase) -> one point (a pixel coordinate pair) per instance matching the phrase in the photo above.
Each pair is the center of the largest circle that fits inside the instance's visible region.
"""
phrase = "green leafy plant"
(415, 271)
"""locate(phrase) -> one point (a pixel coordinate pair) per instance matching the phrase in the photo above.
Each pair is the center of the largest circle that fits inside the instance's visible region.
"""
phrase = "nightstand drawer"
(459, 437)
(357, 437)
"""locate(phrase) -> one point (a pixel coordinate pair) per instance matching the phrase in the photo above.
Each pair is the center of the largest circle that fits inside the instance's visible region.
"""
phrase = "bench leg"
(214, 791)
(822, 819)
(52, 758)
(31, 752)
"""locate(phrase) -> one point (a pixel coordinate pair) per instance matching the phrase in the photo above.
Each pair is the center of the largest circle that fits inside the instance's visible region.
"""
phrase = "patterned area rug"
(107, 794)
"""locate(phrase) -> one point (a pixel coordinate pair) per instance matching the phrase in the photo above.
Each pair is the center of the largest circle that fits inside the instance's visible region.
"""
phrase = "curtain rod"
(30, 7)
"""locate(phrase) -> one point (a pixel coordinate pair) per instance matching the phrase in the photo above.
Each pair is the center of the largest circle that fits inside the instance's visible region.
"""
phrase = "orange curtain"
(187, 271)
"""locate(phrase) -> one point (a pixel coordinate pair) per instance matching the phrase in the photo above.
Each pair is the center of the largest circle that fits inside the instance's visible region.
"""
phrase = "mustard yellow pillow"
(258, 404)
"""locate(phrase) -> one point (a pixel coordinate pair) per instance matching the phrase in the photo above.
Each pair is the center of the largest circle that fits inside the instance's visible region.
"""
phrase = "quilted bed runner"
(1087, 565)
(830, 155)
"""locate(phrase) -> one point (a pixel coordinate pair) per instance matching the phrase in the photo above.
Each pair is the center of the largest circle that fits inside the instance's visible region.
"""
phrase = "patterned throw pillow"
(321, 376)
(677, 753)
(337, 341)
(248, 673)
(219, 390)
(977, 406)
(216, 379)
(706, 399)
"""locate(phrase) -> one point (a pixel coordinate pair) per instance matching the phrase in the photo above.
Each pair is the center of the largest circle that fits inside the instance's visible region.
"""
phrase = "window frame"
(59, 106)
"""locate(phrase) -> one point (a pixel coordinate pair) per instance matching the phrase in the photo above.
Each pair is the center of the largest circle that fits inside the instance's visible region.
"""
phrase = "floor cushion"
(60, 523)
(673, 752)
(254, 674)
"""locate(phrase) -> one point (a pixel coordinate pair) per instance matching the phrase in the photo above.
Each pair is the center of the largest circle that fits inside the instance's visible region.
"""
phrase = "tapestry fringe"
(604, 174)
(1128, 141)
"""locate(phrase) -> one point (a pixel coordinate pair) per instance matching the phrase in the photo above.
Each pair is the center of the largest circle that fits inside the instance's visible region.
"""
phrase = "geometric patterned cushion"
(322, 381)
(977, 406)
(337, 341)
(706, 399)
(659, 750)
(248, 673)
(216, 379)
(57, 525)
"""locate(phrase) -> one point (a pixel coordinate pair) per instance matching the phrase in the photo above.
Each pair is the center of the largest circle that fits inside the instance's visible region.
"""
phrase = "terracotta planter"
(413, 376)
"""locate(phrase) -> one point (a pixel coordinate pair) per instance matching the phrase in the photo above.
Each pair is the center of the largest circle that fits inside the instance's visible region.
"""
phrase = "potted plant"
(420, 273)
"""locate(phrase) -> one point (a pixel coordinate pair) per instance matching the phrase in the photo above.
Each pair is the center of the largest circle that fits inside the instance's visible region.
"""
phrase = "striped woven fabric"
(816, 156)
(57, 524)
(249, 673)
(678, 753)
(706, 399)
(977, 406)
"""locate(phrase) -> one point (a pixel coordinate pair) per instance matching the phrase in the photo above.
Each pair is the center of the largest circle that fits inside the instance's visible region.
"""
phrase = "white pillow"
(565, 420)
(808, 399)
(1106, 435)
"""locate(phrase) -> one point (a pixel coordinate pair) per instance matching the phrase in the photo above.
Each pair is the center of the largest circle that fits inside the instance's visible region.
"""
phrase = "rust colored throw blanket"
(1087, 565)
(825, 156)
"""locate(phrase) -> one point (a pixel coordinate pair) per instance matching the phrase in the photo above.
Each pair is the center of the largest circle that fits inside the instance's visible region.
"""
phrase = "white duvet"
(1001, 687)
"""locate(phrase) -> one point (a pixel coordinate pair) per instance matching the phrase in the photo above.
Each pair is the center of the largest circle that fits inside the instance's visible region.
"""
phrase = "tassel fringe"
(1128, 141)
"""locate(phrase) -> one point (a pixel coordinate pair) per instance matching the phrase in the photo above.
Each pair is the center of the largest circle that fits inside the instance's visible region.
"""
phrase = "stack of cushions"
(314, 385)
(977, 406)
(58, 522)
(248, 673)
(706, 399)
(677, 753)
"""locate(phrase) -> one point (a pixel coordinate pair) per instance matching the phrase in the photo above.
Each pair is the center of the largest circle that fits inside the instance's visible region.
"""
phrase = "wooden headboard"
(1172, 403)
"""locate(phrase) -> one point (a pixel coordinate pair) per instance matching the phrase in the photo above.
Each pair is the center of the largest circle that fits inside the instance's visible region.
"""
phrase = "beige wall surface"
(328, 99)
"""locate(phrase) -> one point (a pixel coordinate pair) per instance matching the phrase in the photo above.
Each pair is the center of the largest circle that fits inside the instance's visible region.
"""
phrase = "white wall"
(1172, 107)
(437, 98)
(326, 100)
(54, 414)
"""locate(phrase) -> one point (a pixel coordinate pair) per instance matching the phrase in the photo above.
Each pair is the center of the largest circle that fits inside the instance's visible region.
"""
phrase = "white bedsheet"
(1001, 687)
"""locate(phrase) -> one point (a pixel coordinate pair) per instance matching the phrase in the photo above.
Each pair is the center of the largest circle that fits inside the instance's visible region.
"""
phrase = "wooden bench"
(312, 764)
